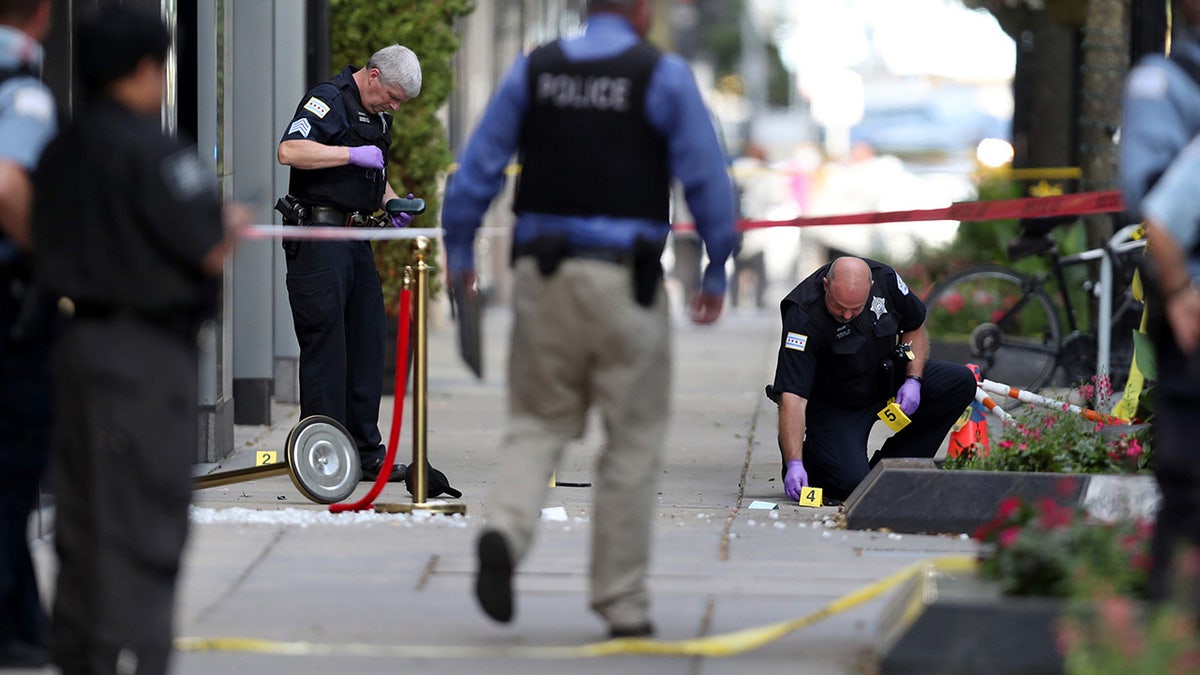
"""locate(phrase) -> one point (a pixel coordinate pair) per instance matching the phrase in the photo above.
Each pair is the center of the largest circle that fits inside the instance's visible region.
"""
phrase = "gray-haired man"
(337, 146)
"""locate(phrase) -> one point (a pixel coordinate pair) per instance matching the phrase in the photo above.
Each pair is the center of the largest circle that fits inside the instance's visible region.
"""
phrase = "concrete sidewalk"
(369, 593)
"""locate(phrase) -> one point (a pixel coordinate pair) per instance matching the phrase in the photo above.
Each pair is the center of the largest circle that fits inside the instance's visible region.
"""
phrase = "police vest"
(348, 187)
(856, 366)
(586, 146)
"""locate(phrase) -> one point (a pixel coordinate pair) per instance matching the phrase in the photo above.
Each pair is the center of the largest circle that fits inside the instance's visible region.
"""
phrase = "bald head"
(847, 287)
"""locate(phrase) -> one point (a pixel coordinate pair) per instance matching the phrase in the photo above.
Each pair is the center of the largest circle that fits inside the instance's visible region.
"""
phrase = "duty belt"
(331, 217)
(612, 254)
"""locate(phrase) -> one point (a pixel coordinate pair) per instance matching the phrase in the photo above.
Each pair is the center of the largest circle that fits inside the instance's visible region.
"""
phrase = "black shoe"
(642, 630)
(493, 584)
(18, 654)
(371, 469)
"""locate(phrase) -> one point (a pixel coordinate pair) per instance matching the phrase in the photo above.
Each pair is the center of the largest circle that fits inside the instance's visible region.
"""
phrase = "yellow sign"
(811, 496)
(893, 416)
(265, 457)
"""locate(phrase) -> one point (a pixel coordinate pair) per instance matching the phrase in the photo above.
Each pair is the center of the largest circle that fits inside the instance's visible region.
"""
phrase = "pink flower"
(1006, 444)
(1134, 450)
(1009, 536)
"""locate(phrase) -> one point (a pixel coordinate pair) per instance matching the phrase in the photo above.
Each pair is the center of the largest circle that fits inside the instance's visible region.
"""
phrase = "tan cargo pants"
(579, 339)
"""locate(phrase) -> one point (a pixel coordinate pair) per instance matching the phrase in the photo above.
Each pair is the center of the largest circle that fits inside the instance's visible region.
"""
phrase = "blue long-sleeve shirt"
(673, 107)
(1158, 154)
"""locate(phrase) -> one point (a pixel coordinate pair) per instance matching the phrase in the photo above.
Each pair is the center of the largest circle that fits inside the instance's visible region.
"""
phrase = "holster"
(549, 250)
(294, 213)
(647, 269)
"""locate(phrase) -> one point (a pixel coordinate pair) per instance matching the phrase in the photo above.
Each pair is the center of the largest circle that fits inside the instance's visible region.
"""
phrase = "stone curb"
(914, 496)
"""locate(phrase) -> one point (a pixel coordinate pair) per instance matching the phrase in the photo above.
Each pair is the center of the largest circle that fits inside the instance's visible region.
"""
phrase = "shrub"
(1042, 548)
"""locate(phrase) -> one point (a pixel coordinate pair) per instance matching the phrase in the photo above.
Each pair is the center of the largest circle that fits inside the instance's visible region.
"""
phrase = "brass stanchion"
(420, 463)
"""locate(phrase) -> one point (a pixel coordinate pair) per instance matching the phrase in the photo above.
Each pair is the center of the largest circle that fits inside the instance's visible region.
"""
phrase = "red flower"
(1065, 487)
(1053, 516)
(1008, 507)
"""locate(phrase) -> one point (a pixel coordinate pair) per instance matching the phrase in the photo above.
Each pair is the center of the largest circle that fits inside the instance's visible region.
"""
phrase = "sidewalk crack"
(737, 507)
(203, 614)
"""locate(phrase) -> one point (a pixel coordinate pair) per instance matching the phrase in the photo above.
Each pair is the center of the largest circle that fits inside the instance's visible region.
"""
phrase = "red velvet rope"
(401, 385)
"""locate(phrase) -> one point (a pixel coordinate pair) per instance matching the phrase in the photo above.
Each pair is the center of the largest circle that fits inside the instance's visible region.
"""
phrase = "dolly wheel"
(322, 459)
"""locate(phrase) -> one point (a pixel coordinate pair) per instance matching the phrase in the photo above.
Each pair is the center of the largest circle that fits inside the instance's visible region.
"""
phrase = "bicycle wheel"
(1000, 320)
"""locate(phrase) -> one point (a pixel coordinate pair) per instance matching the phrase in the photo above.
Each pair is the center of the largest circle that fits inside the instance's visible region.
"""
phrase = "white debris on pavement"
(199, 515)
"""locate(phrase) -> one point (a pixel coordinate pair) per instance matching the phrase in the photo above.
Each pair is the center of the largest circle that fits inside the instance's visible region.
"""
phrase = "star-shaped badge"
(879, 306)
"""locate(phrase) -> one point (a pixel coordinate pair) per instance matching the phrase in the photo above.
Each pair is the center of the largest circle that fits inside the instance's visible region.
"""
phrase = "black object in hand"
(401, 205)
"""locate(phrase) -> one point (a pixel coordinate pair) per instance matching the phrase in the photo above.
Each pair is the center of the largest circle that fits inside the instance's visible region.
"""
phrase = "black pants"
(124, 444)
(337, 309)
(24, 429)
(1176, 461)
(835, 439)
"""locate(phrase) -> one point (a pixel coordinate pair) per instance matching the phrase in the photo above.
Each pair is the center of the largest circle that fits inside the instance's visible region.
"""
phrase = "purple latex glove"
(909, 396)
(403, 219)
(795, 480)
(366, 156)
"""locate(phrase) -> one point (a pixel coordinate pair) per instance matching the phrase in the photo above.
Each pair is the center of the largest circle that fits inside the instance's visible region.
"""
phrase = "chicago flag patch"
(796, 341)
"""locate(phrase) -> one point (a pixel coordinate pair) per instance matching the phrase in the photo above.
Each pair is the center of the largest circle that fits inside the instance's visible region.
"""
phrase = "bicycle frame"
(1108, 253)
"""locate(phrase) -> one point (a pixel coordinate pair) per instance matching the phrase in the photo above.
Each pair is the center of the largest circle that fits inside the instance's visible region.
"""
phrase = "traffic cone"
(970, 432)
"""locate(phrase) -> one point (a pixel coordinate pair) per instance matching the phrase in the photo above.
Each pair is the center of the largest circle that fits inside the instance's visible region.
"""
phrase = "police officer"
(853, 337)
(601, 122)
(26, 124)
(127, 226)
(1159, 162)
(337, 147)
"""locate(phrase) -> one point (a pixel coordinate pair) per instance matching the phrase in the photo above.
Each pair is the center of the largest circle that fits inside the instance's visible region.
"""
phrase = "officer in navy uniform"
(337, 147)
(602, 122)
(854, 337)
(27, 122)
(127, 226)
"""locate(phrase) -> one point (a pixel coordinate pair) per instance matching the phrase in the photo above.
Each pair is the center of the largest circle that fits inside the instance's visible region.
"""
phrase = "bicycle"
(1005, 321)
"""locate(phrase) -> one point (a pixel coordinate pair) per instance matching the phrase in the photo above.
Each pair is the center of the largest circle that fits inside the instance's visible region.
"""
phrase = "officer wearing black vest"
(854, 337)
(601, 122)
(336, 145)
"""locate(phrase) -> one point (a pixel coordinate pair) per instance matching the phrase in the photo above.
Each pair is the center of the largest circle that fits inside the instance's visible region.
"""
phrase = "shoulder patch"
(796, 341)
(186, 176)
(901, 285)
(1147, 82)
(34, 102)
(301, 126)
(317, 107)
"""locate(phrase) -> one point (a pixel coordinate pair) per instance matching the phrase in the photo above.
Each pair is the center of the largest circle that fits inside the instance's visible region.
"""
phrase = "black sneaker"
(493, 583)
(642, 630)
(371, 469)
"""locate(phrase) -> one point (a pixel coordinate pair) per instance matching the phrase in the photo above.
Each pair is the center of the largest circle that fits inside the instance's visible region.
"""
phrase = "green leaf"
(1144, 356)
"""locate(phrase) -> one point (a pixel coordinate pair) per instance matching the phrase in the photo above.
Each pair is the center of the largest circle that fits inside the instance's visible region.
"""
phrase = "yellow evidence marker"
(893, 416)
(265, 457)
(811, 497)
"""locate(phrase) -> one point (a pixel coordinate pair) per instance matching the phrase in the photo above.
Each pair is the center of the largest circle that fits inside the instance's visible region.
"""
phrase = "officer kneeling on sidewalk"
(854, 337)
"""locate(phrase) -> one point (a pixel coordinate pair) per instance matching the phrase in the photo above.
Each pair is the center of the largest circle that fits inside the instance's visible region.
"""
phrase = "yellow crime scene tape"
(723, 645)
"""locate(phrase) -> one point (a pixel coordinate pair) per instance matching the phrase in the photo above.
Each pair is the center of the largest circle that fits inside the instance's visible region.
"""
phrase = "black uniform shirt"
(124, 215)
(840, 364)
(332, 113)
